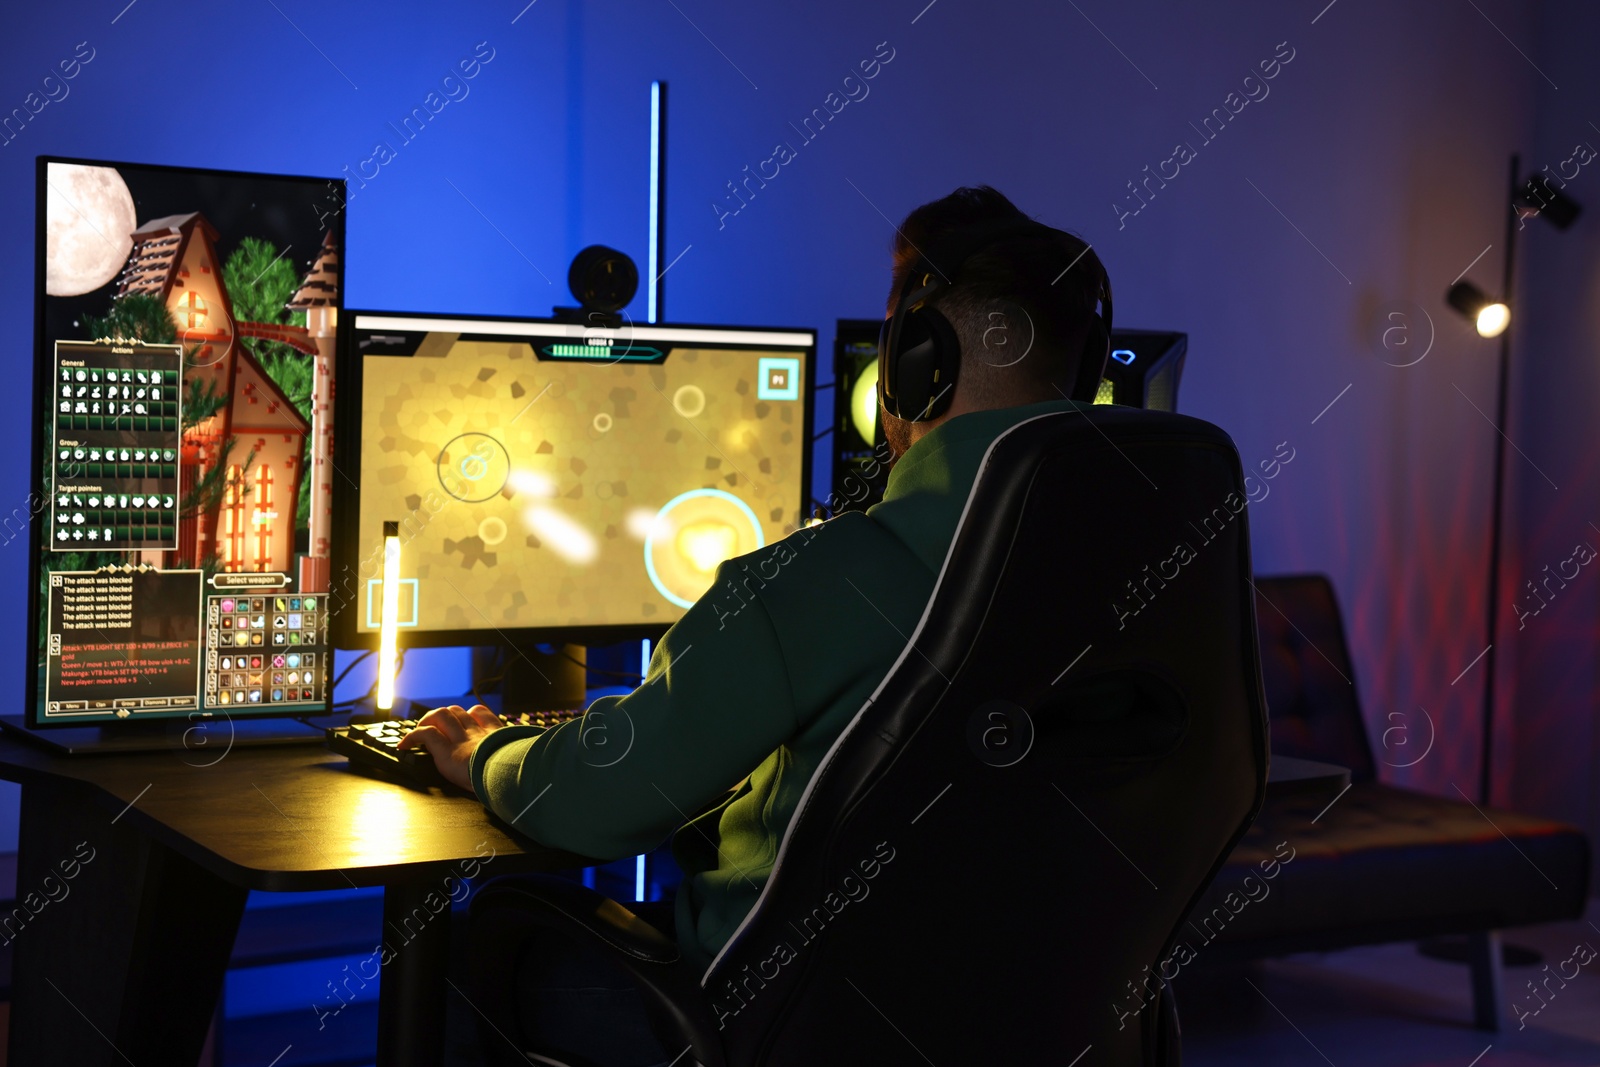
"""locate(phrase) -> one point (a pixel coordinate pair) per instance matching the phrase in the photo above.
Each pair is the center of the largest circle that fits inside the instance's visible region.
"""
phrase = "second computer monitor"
(550, 479)
(179, 542)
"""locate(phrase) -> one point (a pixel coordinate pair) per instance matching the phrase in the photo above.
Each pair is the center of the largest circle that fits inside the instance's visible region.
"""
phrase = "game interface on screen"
(542, 482)
(184, 375)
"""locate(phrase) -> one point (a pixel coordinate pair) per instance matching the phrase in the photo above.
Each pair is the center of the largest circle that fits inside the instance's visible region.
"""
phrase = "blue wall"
(1364, 181)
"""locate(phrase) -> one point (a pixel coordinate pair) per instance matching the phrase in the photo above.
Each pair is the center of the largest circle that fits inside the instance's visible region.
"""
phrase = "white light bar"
(495, 328)
(388, 644)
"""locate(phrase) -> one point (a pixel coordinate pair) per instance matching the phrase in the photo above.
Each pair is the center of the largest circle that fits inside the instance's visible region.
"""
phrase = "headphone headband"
(919, 354)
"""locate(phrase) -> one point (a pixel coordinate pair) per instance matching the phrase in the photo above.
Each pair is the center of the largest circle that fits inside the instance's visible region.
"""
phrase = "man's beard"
(897, 432)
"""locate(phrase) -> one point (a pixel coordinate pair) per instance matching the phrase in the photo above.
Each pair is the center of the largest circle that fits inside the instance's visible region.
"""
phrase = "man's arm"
(716, 702)
(781, 635)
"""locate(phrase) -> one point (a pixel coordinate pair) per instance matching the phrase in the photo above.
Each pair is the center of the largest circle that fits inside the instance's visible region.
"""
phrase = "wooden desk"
(123, 960)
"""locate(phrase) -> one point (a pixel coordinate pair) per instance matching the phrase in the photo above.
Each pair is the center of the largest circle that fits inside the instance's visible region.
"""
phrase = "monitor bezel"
(343, 631)
(34, 716)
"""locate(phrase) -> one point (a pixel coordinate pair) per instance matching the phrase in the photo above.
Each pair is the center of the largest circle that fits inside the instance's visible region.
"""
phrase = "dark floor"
(1389, 1006)
(1383, 1006)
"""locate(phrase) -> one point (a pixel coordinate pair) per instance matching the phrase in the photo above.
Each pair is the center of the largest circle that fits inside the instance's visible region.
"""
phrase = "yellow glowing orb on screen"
(864, 404)
(707, 543)
(691, 536)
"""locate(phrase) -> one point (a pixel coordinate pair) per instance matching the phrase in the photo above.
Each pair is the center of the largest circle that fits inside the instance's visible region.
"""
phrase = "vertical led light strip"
(658, 90)
(640, 870)
(390, 620)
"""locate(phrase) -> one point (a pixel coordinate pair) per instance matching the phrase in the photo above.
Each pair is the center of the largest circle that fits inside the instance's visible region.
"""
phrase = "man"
(749, 689)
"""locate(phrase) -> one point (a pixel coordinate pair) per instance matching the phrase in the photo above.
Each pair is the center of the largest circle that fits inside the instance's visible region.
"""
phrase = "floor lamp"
(1537, 197)
(1540, 196)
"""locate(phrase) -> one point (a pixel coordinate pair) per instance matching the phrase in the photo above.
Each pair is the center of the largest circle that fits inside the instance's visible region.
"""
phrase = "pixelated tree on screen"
(261, 281)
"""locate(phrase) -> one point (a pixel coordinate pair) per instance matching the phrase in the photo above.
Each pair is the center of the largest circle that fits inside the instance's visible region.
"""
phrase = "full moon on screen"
(89, 224)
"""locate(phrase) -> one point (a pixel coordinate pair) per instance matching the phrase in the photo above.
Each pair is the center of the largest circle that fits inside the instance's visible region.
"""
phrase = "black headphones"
(919, 355)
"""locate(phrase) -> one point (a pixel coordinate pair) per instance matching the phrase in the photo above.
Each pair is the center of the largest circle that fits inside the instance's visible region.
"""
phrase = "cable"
(501, 657)
(600, 670)
(399, 665)
(348, 667)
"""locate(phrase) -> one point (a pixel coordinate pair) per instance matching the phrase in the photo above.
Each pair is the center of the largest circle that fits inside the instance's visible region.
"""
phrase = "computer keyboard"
(374, 746)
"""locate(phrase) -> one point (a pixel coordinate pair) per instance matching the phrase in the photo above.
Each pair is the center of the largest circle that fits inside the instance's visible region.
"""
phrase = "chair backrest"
(1305, 669)
(991, 864)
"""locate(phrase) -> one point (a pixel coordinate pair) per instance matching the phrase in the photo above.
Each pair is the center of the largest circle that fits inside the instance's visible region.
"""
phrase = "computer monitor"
(557, 481)
(185, 335)
(1142, 371)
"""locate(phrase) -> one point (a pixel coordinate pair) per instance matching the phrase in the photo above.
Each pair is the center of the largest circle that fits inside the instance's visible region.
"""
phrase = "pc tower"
(861, 455)
(1142, 372)
(1144, 369)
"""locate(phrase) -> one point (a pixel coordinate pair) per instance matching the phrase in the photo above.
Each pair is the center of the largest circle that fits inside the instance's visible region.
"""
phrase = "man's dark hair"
(1007, 299)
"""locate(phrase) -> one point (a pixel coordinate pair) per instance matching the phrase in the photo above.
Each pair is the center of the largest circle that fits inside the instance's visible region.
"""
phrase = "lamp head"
(1489, 316)
(1539, 197)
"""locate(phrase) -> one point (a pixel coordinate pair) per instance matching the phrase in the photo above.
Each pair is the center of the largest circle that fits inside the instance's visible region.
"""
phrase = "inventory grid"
(264, 650)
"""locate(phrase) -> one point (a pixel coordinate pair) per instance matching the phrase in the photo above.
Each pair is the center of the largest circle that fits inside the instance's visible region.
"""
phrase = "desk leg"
(123, 961)
(411, 996)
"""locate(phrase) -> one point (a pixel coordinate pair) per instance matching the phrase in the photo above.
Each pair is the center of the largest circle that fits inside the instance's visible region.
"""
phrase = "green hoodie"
(746, 692)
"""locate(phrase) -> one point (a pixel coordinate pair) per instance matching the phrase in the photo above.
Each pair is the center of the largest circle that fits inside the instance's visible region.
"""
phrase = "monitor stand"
(532, 679)
(201, 737)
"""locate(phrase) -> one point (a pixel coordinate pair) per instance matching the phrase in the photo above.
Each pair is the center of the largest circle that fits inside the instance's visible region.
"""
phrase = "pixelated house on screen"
(250, 524)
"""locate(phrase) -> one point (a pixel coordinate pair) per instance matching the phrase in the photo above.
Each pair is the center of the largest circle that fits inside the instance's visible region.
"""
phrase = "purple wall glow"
(1548, 707)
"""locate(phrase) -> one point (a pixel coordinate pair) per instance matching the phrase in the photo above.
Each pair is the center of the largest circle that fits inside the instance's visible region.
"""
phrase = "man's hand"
(452, 735)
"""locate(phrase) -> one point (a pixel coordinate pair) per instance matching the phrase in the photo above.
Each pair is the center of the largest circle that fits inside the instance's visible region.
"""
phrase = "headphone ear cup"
(926, 366)
(1092, 363)
(888, 333)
